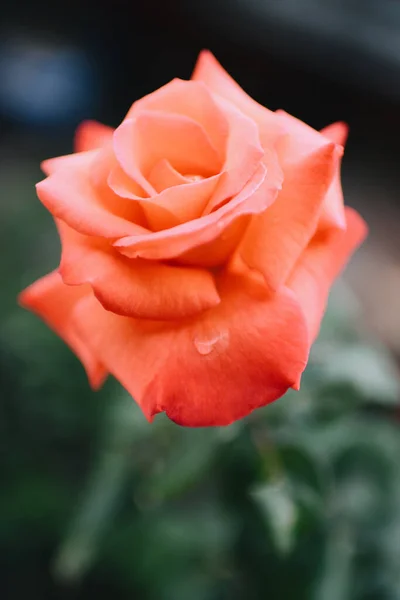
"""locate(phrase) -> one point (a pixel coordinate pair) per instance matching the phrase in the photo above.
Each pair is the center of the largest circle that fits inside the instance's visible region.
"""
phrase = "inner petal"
(163, 176)
(102, 166)
(243, 156)
(194, 234)
(191, 99)
(140, 143)
(173, 205)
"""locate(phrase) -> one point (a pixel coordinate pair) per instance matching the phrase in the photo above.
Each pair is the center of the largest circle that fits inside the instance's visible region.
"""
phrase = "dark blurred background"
(60, 63)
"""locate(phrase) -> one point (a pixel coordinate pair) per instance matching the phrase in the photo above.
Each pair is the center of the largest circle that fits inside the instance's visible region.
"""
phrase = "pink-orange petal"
(184, 203)
(333, 210)
(336, 132)
(303, 139)
(54, 302)
(157, 217)
(141, 142)
(255, 197)
(191, 99)
(299, 140)
(79, 160)
(95, 166)
(134, 287)
(172, 206)
(91, 135)
(99, 173)
(211, 370)
(275, 239)
(70, 196)
(320, 264)
(244, 154)
(163, 176)
(209, 71)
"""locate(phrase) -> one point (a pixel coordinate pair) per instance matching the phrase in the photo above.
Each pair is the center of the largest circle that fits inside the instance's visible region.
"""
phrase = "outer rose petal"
(134, 287)
(79, 160)
(336, 133)
(196, 235)
(209, 71)
(237, 357)
(333, 211)
(319, 265)
(275, 239)
(300, 138)
(69, 194)
(303, 139)
(55, 302)
(93, 168)
(91, 135)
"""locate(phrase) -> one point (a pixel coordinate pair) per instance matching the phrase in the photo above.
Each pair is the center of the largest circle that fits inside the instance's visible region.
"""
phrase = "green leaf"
(335, 580)
(104, 488)
(281, 512)
(368, 369)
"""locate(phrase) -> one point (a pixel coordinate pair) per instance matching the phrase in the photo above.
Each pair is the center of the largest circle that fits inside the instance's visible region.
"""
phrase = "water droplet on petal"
(203, 347)
(206, 344)
(194, 177)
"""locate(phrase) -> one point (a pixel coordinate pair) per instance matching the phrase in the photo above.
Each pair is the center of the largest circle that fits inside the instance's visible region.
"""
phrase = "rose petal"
(213, 369)
(209, 71)
(69, 194)
(300, 139)
(303, 139)
(336, 133)
(91, 135)
(134, 287)
(79, 160)
(141, 142)
(163, 176)
(173, 205)
(275, 239)
(190, 99)
(248, 121)
(95, 166)
(255, 197)
(234, 135)
(319, 265)
(186, 202)
(122, 207)
(54, 302)
(243, 156)
(333, 214)
(216, 252)
(179, 204)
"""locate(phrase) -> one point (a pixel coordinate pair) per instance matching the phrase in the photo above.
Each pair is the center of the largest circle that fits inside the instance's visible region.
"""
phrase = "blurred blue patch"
(46, 84)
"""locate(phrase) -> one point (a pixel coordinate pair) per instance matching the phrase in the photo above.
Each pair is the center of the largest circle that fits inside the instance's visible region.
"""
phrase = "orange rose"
(199, 242)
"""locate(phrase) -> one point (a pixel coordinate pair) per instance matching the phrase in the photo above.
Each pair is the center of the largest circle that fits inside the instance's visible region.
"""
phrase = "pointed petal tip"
(297, 384)
(337, 132)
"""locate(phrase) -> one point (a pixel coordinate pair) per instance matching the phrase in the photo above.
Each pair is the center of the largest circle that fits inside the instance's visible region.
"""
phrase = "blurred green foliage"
(299, 501)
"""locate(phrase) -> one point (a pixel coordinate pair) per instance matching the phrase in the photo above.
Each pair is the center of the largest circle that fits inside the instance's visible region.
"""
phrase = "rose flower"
(199, 242)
